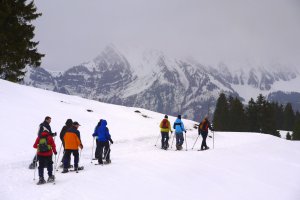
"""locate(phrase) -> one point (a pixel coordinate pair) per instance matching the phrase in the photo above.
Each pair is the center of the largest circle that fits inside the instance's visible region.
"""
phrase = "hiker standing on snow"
(44, 124)
(72, 142)
(103, 140)
(97, 147)
(203, 130)
(165, 128)
(179, 129)
(45, 146)
(63, 131)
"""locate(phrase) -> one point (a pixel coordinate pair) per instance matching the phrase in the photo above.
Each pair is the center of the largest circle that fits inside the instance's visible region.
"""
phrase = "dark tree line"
(17, 48)
(258, 116)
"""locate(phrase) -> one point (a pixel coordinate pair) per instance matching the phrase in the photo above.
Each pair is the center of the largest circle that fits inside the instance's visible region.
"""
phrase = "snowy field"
(243, 166)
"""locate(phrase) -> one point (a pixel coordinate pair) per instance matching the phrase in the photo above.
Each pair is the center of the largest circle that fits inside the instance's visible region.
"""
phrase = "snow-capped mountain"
(155, 81)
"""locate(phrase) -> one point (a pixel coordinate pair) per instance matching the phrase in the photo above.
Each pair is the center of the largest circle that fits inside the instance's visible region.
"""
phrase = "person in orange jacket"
(45, 145)
(72, 142)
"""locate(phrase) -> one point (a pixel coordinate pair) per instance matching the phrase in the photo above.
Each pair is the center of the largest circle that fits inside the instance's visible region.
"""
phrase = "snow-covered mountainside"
(241, 166)
(154, 81)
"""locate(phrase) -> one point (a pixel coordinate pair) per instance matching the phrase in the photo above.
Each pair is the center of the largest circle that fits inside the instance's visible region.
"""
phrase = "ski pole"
(195, 142)
(35, 165)
(56, 167)
(172, 140)
(92, 150)
(107, 151)
(185, 141)
(55, 163)
(157, 139)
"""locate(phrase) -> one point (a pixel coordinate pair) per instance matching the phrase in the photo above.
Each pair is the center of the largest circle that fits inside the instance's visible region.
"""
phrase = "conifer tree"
(17, 50)
(252, 116)
(289, 117)
(220, 120)
(237, 115)
(288, 136)
(296, 131)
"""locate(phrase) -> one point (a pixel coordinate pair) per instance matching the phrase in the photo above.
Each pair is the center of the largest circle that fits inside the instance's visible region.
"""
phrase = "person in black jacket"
(45, 125)
(203, 130)
(63, 131)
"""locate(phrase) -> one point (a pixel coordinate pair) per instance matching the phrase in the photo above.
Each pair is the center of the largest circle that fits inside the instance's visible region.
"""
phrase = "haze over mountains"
(155, 81)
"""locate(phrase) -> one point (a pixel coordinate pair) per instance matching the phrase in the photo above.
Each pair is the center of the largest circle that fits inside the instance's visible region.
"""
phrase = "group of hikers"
(71, 142)
(178, 126)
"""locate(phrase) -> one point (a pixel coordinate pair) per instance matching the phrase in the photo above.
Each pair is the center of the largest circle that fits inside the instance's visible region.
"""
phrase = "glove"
(55, 153)
(81, 146)
(111, 141)
(54, 134)
(185, 131)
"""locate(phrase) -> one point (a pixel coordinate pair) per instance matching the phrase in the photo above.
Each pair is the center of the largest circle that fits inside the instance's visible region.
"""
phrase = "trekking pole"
(195, 142)
(107, 151)
(172, 140)
(55, 163)
(185, 141)
(56, 168)
(35, 165)
(92, 150)
(157, 139)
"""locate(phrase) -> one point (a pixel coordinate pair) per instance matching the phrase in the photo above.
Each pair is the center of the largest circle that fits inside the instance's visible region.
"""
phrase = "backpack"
(43, 145)
(202, 126)
(165, 123)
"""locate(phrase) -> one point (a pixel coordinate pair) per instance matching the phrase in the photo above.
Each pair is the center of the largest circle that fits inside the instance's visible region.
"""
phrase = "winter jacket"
(47, 126)
(50, 142)
(205, 126)
(63, 132)
(167, 129)
(178, 126)
(72, 139)
(102, 132)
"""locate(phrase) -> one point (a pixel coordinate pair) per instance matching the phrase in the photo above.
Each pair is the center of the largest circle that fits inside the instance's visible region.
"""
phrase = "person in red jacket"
(45, 146)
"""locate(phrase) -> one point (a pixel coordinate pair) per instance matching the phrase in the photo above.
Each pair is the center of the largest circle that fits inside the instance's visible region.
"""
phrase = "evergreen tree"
(220, 120)
(252, 116)
(17, 50)
(296, 131)
(288, 136)
(237, 115)
(289, 117)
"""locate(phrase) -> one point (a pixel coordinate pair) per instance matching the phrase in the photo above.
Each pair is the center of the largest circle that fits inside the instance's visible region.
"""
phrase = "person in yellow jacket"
(72, 142)
(165, 128)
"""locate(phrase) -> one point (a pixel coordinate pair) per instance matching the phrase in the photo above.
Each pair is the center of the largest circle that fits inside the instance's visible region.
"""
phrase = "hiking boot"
(70, 166)
(41, 181)
(108, 161)
(51, 179)
(65, 170)
(206, 147)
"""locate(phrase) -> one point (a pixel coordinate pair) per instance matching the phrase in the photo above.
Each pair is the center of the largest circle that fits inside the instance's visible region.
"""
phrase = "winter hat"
(179, 117)
(76, 123)
(166, 116)
(69, 122)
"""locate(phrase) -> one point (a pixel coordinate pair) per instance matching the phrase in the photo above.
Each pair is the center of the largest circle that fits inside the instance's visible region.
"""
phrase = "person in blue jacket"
(179, 129)
(103, 139)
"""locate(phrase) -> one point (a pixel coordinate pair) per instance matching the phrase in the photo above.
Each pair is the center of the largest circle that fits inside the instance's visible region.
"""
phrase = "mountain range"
(155, 81)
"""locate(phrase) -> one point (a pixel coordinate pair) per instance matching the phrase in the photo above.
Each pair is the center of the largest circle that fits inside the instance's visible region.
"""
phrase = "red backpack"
(165, 123)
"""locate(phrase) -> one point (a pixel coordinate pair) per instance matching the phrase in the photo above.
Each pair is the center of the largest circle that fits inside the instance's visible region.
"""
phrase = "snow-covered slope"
(242, 166)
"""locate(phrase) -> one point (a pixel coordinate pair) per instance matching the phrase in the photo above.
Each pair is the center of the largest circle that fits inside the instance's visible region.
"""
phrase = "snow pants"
(204, 136)
(67, 158)
(179, 139)
(104, 145)
(45, 161)
(164, 140)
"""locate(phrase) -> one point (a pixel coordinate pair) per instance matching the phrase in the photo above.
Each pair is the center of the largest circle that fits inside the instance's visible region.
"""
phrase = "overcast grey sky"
(74, 31)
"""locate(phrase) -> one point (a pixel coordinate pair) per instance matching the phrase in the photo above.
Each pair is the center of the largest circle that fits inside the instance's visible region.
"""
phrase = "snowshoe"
(32, 165)
(65, 171)
(41, 181)
(51, 179)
